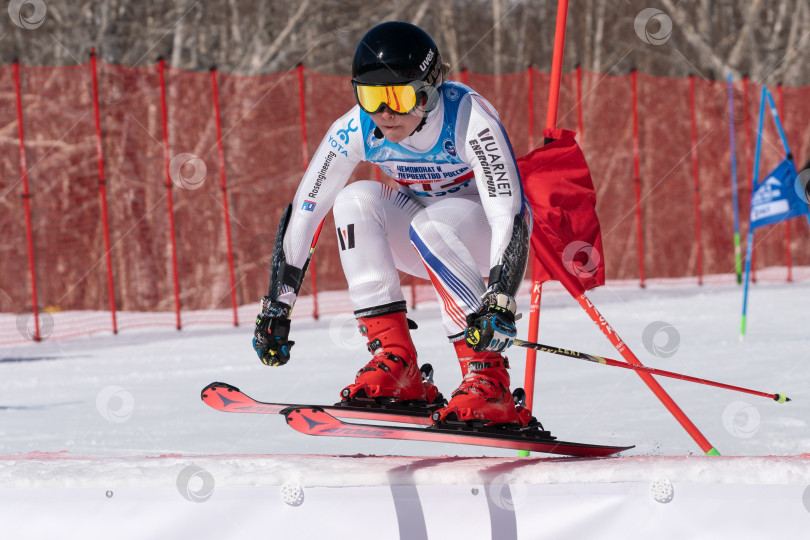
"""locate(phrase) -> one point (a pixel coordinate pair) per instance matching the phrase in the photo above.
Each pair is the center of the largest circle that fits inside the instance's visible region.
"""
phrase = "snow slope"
(137, 393)
(110, 429)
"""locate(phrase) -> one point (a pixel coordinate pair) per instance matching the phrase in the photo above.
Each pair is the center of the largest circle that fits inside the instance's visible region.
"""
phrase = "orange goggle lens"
(400, 99)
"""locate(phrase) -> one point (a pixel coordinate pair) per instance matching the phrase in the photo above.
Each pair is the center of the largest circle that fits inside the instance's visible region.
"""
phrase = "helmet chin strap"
(424, 117)
(421, 124)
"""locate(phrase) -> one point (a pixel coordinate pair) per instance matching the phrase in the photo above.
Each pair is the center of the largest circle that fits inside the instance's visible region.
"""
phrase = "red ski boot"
(484, 394)
(393, 372)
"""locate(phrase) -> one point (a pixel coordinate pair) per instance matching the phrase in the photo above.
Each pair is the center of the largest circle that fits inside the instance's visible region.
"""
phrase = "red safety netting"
(608, 127)
(136, 190)
(15, 276)
(67, 232)
(177, 257)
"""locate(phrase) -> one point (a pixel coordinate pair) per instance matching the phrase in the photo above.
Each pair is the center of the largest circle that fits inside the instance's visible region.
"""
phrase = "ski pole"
(779, 398)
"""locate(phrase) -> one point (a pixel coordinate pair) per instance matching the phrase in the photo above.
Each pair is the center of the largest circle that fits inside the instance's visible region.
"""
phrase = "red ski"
(225, 397)
(312, 420)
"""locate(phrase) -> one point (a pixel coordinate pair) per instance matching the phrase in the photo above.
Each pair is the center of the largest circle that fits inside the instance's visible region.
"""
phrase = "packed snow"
(126, 408)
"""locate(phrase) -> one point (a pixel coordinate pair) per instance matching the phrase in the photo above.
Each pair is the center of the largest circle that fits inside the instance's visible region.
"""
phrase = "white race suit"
(453, 217)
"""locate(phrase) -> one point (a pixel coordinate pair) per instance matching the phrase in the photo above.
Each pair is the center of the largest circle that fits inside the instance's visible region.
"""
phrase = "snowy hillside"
(119, 419)
(138, 393)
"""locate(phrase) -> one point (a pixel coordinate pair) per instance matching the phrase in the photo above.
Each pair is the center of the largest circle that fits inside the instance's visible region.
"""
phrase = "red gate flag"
(566, 237)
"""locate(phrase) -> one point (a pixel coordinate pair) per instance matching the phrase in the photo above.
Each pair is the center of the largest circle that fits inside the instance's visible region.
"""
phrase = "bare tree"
(711, 37)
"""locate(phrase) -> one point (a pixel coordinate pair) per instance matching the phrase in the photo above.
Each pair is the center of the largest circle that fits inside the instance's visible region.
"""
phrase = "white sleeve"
(329, 169)
(486, 149)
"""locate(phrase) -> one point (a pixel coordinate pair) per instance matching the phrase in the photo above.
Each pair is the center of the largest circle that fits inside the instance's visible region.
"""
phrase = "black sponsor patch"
(346, 237)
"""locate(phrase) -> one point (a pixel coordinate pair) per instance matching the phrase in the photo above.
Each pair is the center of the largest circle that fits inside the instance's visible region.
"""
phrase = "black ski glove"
(492, 327)
(270, 337)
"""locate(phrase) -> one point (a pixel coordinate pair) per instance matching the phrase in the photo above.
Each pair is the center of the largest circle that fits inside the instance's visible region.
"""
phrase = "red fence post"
(696, 174)
(102, 191)
(302, 108)
(637, 180)
(167, 160)
(224, 186)
(580, 123)
(27, 202)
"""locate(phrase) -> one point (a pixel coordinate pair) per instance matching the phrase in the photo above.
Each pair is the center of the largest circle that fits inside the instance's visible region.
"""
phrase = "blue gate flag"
(775, 199)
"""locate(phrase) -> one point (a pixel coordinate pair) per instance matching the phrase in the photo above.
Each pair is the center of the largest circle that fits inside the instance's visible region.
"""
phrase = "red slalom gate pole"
(551, 122)
(648, 379)
(534, 328)
(26, 202)
(637, 180)
(556, 64)
(102, 190)
(575, 288)
(224, 186)
(696, 175)
(167, 160)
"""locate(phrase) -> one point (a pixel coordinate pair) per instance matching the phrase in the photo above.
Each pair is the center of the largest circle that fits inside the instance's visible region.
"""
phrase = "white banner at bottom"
(581, 511)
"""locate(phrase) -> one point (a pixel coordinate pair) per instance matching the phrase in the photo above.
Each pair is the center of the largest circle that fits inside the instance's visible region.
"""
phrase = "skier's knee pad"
(430, 231)
(357, 202)
(421, 226)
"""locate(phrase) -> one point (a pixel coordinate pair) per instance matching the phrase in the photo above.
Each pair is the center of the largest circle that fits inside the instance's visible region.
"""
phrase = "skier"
(457, 216)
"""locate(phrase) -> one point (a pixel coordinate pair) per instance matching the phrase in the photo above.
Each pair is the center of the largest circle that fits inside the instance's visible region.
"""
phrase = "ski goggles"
(401, 99)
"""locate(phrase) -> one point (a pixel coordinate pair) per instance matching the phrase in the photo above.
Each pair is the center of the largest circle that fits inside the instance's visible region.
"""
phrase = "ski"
(311, 420)
(228, 398)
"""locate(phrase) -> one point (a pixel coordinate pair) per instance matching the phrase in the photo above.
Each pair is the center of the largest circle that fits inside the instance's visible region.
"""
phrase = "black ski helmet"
(395, 53)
